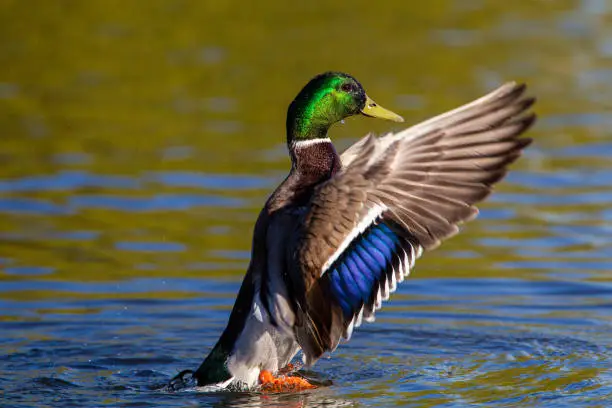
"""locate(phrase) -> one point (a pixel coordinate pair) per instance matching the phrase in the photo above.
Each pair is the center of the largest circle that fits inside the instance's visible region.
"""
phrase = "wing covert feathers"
(420, 183)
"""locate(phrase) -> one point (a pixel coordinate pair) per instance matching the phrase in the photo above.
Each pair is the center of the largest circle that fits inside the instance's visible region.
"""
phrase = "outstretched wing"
(395, 197)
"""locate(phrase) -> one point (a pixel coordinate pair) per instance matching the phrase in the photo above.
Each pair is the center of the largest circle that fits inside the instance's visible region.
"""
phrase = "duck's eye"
(348, 87)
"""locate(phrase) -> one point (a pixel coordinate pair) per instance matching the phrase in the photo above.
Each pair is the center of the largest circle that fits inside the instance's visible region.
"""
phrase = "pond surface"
(139, 142)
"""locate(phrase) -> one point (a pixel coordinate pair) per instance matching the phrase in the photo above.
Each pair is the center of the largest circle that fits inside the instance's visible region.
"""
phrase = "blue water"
(516, 338)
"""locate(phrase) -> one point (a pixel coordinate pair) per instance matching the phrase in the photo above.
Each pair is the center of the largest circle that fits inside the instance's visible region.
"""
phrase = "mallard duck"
(342, 230)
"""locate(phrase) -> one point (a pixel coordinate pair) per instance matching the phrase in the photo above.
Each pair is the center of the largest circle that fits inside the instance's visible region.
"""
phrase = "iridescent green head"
(326, 99)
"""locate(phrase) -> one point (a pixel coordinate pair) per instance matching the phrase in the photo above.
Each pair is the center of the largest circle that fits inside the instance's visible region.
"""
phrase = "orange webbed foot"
(282, 383)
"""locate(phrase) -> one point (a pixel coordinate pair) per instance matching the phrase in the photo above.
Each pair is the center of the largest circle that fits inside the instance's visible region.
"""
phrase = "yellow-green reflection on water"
(140, 139)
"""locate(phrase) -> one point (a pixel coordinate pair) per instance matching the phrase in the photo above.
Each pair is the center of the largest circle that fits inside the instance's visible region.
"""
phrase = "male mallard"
(341, 231)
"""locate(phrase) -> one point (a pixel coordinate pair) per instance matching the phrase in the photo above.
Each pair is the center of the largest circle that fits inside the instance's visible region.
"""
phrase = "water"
(138, 145)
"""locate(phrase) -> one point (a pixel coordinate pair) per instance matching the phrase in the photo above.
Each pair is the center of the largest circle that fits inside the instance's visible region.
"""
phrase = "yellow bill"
(374, 110)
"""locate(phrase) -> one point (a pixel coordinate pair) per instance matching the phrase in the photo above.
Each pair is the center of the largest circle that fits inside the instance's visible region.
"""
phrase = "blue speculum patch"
(358, 270)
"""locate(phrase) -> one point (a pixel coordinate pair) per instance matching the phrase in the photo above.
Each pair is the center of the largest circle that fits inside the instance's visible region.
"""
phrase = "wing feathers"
(396, 196)
(475, 110)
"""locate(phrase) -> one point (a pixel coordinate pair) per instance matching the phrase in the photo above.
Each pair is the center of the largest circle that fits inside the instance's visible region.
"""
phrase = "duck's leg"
(289, 368)
(282, 383)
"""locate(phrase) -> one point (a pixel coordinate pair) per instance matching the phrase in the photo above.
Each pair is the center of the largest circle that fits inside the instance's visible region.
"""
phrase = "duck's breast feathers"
(394, 197)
